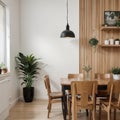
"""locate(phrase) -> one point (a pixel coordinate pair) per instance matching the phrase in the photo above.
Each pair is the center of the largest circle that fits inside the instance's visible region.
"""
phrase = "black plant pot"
(0, 71)
(28, 94)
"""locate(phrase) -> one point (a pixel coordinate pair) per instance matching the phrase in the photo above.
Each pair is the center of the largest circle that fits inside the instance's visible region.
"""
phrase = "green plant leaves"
(27, 66)
(93, 41)
(116, 70)
(87, 68)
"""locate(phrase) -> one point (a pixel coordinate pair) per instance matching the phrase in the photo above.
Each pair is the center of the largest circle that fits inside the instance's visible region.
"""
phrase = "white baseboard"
(4, 114)
(12, 103)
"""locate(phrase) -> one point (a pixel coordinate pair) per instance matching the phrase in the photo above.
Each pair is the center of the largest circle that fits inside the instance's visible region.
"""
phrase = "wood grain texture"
(37, 110)
(91, 20)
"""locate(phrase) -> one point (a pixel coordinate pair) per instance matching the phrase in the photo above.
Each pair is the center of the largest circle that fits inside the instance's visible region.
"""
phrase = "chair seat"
(102, 92)
(101, 95)
(56, 94)
(115, 103)
(88, 104)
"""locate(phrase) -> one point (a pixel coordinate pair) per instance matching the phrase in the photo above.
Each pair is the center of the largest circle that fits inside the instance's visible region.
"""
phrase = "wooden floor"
(37, 110)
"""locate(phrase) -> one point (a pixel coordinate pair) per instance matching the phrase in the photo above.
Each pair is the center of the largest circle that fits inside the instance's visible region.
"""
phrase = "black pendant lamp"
(67, 32)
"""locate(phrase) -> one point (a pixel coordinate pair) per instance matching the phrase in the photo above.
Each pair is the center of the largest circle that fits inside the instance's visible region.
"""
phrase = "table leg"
(64, 103)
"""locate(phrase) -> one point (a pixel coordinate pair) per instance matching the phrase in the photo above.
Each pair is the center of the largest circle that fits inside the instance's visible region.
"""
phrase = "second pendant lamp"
(67, 32)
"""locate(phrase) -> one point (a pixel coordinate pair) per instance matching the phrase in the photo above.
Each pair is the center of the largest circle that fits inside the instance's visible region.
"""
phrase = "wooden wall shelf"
(110, 28)
(114, 46)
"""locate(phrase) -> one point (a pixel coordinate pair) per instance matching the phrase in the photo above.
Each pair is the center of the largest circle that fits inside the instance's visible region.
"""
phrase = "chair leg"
(50, 106)
(62, 103)
(93, 114)
(74, 112)
(108, 115)
(114, 114)
(49, 109)
(90, 115)
(99, 111)
(87, 112)
(69, 110)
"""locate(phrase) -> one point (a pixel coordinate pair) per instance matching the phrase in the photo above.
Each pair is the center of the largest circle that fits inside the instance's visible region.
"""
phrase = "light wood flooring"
(37, 110)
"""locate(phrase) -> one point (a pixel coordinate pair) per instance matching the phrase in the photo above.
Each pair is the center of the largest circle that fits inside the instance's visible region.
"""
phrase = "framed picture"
(112, 18)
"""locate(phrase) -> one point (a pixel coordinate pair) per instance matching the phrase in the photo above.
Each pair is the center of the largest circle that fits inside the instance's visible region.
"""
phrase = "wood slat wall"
(91, 20)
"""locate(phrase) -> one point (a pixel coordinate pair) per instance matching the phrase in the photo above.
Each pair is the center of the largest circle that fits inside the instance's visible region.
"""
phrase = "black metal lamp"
(67, 32)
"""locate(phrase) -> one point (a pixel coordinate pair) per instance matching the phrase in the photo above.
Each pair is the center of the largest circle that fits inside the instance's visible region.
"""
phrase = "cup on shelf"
(106, 42)
(116, 42)
(111, 41)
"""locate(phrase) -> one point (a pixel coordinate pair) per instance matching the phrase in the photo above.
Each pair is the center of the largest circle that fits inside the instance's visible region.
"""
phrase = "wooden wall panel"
(91, 20)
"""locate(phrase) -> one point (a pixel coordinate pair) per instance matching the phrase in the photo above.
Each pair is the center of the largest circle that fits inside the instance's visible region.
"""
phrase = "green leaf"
(28, 68)
(93, 41)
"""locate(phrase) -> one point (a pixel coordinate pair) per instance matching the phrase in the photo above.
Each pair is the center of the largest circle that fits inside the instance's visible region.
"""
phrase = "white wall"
(13, 7)
(41, 22)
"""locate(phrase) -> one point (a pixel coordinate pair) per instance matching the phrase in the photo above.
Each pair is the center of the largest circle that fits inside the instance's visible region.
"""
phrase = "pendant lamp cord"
(67, 26)
(67, 10)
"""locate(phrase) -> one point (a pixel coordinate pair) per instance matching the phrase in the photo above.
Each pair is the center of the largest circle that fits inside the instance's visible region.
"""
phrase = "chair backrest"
(71, 75)
(116, 87)
(115, 93)
(86, 90)
(116, 90)
(47, 84)
(104, 76)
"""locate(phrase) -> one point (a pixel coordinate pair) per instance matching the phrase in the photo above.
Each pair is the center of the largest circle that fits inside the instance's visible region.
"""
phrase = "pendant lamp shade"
(67, 32)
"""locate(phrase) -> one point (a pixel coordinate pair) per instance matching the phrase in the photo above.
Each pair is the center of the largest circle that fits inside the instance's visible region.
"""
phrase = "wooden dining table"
(66, 85)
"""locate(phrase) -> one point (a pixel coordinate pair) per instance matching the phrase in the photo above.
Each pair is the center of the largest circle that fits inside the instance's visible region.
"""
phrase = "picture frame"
(112, 18)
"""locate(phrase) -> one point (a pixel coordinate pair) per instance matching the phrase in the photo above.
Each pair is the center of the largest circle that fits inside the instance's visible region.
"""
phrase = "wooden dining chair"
(102, 76)
(53, 97)
(83, 97)
(113, 102)
(116, 93)
(78, 76)
(102, 90)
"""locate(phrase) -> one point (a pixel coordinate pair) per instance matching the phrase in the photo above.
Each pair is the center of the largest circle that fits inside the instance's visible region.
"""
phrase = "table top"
(66, 81)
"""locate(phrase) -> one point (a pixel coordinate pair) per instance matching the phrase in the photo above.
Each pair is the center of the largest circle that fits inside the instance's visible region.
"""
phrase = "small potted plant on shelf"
(118, 23)
(28, 68)
(104, 25)
(116, 73)
(117, 41)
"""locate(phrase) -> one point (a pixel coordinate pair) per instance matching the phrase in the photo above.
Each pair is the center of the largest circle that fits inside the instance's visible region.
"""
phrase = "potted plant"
(3, 68)
(87, 69)
(117, 41)
(28, 66)
(116, 73)
(93, 42)
(118, 23)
